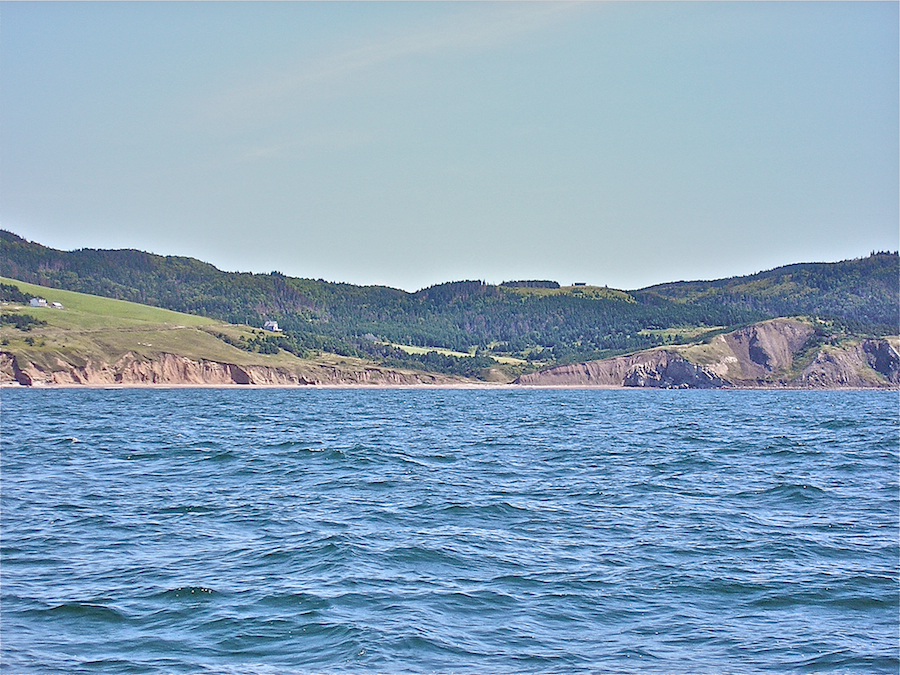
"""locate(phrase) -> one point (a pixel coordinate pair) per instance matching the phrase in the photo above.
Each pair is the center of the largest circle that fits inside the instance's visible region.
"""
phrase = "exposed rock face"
(10, 371)
(673, 374)
(881, 357)
(852, 367)
(768, 347)
(761, 355)
(654, 368)
(606, 373)
(169, 369)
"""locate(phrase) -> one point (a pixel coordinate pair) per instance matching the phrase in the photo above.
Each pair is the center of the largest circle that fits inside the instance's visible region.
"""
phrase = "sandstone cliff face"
(653, 368)
(766, 348)
(852, 367)
(761, 355)
(608, 373)
(169, 369)
(882, 358)
(676, 373)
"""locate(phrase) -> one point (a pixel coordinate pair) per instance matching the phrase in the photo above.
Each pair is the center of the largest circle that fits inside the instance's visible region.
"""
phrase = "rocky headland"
(780, 353)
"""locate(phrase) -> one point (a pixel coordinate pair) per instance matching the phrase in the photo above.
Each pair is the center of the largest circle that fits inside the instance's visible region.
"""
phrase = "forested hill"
(866, 290)
(530, 320)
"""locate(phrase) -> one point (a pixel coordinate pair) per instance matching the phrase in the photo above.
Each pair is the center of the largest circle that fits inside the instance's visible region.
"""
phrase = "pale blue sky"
(408, 144)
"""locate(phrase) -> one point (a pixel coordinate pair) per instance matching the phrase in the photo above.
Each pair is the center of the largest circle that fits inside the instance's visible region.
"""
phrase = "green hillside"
(536, 322)
(86, 312)
(99, 329)
(863, 291)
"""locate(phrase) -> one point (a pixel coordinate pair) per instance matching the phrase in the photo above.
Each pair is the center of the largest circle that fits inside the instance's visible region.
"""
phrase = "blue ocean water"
(449, 531)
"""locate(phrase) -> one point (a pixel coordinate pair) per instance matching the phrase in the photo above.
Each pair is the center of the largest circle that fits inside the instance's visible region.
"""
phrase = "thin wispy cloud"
(269, 92)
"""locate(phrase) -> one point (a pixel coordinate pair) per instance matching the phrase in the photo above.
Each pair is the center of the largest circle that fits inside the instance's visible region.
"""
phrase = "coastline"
(778, 354)
(486, 386)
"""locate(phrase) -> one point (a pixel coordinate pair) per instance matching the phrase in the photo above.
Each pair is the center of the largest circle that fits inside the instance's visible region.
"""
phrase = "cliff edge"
(172, 369)
(780, 353)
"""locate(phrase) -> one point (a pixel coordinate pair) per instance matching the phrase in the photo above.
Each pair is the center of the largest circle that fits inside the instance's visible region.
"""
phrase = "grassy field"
(82, 311)
(101, 329)
(410, 349)
(588, 292)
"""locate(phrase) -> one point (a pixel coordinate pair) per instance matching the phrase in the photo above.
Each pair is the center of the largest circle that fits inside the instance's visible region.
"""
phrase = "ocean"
(448, 531)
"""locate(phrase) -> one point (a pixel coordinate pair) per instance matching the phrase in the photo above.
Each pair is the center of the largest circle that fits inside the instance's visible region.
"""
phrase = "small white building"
(272, 326)
(56, 305)
(38, 302)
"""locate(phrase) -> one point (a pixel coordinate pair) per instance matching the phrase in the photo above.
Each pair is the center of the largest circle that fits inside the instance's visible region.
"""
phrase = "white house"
(272, 326)
(38, 302)
(56, 305)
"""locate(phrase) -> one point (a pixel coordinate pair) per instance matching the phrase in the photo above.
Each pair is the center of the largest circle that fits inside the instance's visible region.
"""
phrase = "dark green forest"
(531, 320)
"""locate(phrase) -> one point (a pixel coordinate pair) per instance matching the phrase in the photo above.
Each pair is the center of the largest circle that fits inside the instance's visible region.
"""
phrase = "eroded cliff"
(781, 353)
(171, 369)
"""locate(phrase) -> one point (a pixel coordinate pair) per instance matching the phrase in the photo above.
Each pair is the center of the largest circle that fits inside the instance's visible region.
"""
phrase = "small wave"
(436, 459)
(773, 600)
(114, 665)
(864, 603)
(188, 508)
(144, 454)
(85, 611)
(302, 604)
(381, 484)
(797, 492)
(840, 425)
(204, 445)
(639, 653)
(424, 556)
(841, 658)
(187, 593)
(220, 457)
(502, 508)
(292, 447)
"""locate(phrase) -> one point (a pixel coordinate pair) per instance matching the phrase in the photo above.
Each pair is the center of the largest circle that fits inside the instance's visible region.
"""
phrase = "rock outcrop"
(676, 373)
(653, 368)
(882, 358)
(780, 353)
(768, 347)
(852, 367)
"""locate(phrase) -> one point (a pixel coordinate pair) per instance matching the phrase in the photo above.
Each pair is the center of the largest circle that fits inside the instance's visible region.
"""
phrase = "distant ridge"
(864, 289)
(535, 283)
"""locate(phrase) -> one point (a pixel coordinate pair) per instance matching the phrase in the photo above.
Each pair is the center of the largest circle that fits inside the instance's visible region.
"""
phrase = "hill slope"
(100, 341)
(865, 291)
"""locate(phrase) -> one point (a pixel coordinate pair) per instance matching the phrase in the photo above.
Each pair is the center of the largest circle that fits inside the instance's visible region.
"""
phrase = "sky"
(412, 143)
